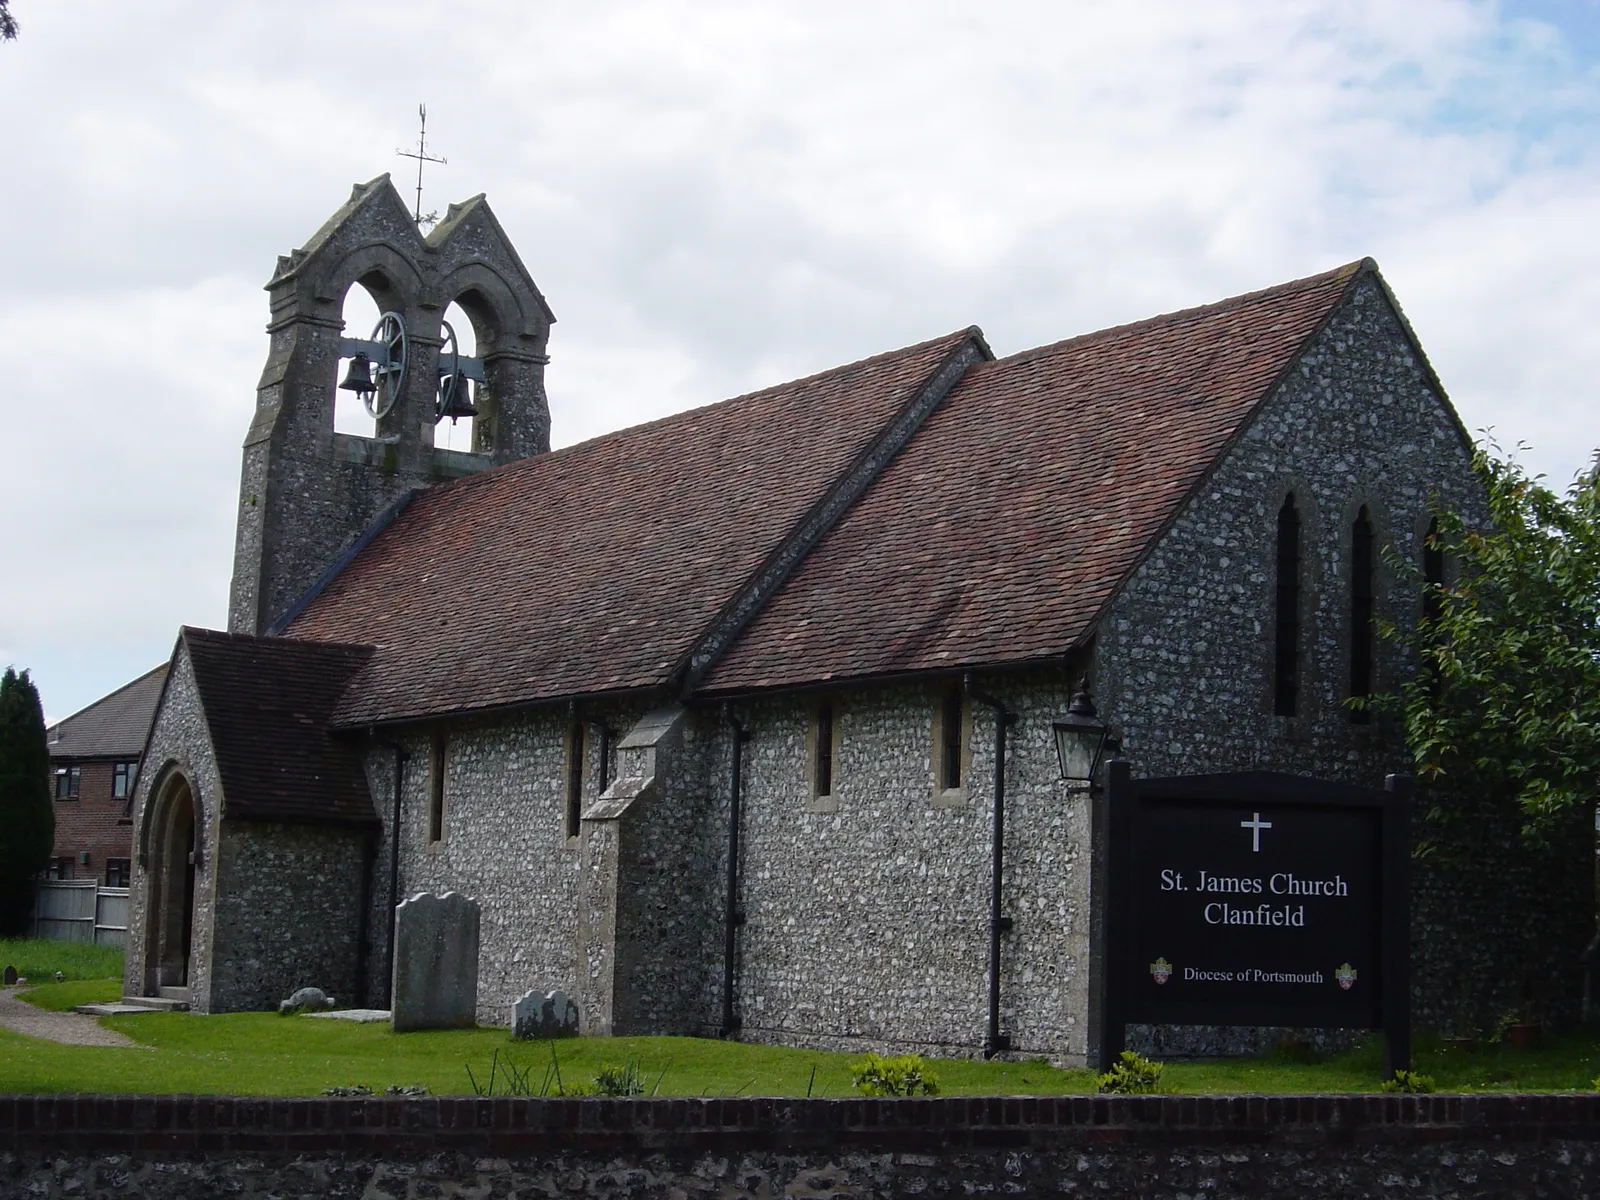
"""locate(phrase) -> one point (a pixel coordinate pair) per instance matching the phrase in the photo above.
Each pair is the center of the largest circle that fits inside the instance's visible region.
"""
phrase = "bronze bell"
(454, 399)
(358, 378)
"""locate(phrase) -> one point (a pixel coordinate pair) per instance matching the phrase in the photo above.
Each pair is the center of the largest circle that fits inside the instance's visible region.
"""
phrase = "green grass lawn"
(38, 960)
(264, 1054)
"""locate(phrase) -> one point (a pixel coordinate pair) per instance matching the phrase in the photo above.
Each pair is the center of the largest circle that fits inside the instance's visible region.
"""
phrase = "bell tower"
(308, 493)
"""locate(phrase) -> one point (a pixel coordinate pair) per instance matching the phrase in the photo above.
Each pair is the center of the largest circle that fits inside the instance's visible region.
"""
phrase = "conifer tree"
(27, 818)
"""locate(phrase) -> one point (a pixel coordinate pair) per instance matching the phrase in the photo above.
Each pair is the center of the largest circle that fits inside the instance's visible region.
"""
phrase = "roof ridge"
(1178, 316)
(532, 461)
(227, 635)
(112, 694)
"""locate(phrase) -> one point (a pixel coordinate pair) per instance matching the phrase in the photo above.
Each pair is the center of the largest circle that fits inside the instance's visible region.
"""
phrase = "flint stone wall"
(867, 918)
(1155, 1146)
(287, 913)
(505, 844)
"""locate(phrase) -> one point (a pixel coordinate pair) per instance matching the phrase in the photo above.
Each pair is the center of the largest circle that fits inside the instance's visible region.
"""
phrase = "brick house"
(94, 760)
(705, 712)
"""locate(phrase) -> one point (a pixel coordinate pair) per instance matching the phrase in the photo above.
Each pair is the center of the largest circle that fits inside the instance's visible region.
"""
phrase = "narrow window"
(119, 872)
(1286, 652)
(436, 791)
(122, 780)
(576, 745)
(605, 756)
(1432, 573)
(824, 751)
(950, 741)
(1361, 630)
(67, 780)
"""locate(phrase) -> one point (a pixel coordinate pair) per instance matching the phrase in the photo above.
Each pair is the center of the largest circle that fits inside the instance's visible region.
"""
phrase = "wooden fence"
(80, 910)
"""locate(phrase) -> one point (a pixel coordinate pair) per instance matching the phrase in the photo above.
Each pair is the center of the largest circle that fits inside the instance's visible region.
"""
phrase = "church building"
(715, 715)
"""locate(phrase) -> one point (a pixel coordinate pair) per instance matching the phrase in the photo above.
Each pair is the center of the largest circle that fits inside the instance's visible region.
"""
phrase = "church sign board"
(1257, 899)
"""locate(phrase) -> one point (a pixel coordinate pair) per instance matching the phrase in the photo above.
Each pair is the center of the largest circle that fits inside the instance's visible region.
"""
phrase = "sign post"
(1257, 899)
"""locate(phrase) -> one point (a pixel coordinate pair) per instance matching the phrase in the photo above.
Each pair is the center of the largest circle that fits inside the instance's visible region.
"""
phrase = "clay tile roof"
(1022, 503)
(267, 704)
(595, 568)
(114, 726)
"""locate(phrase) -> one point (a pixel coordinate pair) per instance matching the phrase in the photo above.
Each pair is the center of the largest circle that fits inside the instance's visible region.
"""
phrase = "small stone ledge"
(417, 1127)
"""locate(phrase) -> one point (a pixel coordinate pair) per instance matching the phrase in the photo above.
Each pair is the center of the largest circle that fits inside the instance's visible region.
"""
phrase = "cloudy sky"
(717, 196)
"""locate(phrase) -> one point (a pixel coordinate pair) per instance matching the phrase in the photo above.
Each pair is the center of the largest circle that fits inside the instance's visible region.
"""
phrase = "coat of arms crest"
(1161, 970)
(1346, 975)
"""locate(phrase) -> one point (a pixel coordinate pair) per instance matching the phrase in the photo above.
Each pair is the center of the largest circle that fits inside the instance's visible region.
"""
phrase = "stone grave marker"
(550, 1015)
(11, 976)
(435, 984)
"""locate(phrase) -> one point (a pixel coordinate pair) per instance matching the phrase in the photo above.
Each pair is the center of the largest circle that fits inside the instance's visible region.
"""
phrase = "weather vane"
(422, 156)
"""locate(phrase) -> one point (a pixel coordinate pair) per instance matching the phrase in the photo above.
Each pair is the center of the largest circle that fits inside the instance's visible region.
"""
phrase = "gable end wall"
(1185, 653)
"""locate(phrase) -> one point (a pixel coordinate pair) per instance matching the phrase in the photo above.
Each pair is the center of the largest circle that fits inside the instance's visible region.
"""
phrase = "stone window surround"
(942, 796)
(1383, 582)
(1312, 532)
(818, 802)
(575, 772)
(438, 799)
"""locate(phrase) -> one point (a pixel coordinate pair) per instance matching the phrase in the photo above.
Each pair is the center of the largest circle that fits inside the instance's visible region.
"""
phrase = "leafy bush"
(1411, 1083)
(1131, 1075)
(876, 1075)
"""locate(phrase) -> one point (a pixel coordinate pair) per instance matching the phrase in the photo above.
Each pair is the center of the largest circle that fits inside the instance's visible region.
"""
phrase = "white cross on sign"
(1255, 825)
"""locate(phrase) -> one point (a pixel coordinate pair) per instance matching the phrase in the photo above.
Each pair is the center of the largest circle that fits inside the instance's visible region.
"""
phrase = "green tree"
(1506, 704)
(27, 818)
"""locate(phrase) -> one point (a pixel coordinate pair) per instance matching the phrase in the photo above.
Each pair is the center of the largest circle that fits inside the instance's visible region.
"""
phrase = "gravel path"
(69, 1028)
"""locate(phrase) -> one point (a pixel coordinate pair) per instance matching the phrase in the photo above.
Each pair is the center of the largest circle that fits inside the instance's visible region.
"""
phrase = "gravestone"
(435, 983)
(10, 976)
(547, 1015)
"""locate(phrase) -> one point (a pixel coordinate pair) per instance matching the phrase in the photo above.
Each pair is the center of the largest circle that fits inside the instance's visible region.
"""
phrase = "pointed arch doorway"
(170, 916)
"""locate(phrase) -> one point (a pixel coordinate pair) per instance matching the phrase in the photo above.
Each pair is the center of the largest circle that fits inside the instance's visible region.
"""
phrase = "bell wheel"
(449, 365)
(390, 375)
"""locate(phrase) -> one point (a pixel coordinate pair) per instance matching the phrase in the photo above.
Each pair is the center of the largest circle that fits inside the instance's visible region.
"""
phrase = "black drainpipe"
(401, 757)
(732, 916)
(996, 1042)
(369, 854)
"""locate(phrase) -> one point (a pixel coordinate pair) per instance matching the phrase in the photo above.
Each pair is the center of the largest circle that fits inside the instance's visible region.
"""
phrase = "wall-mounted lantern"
(1081, 741)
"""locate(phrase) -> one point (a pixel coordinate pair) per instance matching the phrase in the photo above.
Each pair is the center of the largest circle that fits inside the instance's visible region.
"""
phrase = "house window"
(1432, 573)
(577, 745)
(119, 872)
(59, 868)
(67, 779)
(436, 790)
(1286, 649)
(1362, 568)
(950, 743)
(822, 782)
(122, 780)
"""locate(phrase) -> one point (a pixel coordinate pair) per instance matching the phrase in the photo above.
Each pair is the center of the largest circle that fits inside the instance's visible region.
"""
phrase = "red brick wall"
(93, 822)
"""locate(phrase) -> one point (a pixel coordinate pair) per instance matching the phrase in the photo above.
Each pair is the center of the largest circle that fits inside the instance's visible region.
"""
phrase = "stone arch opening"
(365, 300)
(460, 434)
(484, 303)
(169, 912)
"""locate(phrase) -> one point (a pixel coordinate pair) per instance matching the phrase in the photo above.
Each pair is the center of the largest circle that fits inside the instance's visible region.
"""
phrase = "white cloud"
(715, 196)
